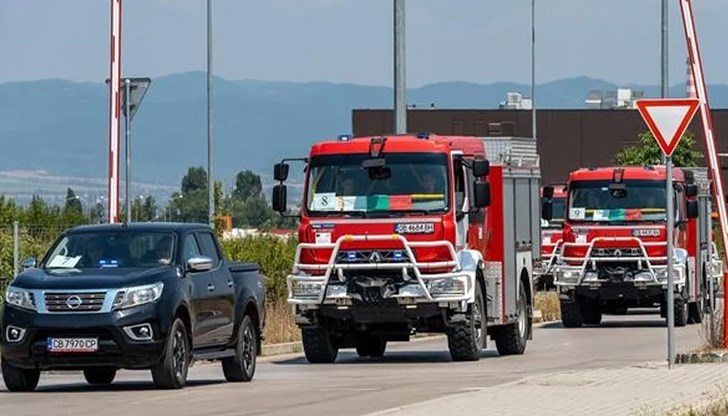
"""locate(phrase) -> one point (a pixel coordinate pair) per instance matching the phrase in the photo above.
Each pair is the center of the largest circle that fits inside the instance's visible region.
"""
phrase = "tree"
(194, 180)
(73, 209)
(256, 212)
(144, 209)
(247, 184)
(647, 152)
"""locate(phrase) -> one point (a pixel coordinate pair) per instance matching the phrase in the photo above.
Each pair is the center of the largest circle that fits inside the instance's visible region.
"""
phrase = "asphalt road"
(408, 373)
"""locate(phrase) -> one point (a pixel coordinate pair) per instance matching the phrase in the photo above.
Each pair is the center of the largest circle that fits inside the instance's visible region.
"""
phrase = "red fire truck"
(550, 238)
(614, 251)
(409, 233)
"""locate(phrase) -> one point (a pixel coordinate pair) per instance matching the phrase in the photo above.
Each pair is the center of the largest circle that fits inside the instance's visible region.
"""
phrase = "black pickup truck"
(152, 296)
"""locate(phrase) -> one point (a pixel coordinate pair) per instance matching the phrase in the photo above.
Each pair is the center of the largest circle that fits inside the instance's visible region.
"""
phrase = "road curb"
(718, 356)
(271, 350)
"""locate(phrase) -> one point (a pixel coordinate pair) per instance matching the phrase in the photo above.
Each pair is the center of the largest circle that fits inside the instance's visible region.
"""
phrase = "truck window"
(637, 200)
(191, 248)
(209, 249)
(406, 182)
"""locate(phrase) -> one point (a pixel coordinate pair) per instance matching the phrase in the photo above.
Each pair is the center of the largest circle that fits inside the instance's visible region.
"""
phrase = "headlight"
(305, 289)
(20, 297)
(570, 276)
(447, 286)
(139, 295)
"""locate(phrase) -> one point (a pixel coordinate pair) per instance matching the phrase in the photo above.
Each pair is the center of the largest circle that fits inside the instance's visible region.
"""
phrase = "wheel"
(100, 376)
(19, 379)
(681, 311)
(465, 341)
(242, 366)
(511, 339)
(571, 316)
(695, 312)
(171, 371)
(371, 346)
(318, 346)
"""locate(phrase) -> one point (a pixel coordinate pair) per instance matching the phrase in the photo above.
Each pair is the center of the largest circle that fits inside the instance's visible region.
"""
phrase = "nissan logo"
(73, 302)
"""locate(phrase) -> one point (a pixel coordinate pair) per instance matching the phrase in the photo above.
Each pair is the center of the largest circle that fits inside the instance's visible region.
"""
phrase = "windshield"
(407, 182)
(630, 200)
(112, 249)
(559, 209)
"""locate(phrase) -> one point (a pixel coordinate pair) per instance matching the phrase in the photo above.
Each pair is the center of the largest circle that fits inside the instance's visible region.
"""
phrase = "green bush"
(273, 254)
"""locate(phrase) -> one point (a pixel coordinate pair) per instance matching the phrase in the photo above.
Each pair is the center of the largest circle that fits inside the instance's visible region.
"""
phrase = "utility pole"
(400, 89)
(533, 68)
(127, 131)
(210, 180)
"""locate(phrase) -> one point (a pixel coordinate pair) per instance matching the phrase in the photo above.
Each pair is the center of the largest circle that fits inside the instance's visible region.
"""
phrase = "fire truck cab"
(408, 233)
(551, 237)
(614, 251)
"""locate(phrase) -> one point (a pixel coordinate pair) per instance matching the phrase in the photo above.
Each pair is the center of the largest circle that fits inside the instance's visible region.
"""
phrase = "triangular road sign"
(668, 119)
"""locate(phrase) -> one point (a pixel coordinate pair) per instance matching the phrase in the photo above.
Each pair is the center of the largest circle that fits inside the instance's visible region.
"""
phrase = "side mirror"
(481, 195)
(691, 190)
(280, 197)
(692, 209)
(548, 192)
(199, 264)
(280, 171)
(29, 263)
(481, 168)
(547, 210)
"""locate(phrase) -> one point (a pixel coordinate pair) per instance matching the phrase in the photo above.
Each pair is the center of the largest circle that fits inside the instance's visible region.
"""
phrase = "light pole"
(533, 68)
(210, 180)
(400, 88)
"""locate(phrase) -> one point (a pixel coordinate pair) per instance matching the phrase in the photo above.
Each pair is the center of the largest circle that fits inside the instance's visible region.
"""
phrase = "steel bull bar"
(417, 289)
(647, 270)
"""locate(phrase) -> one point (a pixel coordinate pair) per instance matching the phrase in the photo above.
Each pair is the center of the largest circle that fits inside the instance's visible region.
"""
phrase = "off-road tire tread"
(318, 347)
(571, 316)
(461, 339)
(508, 340)
(19, 379)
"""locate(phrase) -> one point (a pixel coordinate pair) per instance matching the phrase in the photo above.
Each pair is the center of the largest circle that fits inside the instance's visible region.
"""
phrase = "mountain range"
(54, 129)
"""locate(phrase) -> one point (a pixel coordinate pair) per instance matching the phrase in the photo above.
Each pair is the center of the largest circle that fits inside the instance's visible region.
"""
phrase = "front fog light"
(14, 333)
(141, 332)
(447, 286)
(590, 276)
(305, 289)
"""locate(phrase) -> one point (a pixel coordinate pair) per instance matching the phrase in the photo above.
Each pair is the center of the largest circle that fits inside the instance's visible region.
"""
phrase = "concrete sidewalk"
(649, 389)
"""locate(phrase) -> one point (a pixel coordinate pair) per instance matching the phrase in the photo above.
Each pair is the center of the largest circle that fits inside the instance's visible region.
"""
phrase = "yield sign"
(668, 119)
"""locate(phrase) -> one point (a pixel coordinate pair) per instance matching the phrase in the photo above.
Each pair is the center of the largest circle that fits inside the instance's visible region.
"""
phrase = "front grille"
(371, 256)
(617, 252)
(74, 302)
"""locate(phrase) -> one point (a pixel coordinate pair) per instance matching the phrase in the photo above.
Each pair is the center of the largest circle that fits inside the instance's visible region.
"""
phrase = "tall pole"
(533, 68)
(210, 180)
(670, 258)
(664, 88)
(400, 89)
(127, 131)
(114, 109)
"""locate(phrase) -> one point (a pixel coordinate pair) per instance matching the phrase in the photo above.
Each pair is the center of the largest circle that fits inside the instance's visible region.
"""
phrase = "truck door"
(461, 203)
(203, 296)
(224, 293)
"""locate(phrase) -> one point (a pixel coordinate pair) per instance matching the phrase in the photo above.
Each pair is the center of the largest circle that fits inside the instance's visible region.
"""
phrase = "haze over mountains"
(60, 128)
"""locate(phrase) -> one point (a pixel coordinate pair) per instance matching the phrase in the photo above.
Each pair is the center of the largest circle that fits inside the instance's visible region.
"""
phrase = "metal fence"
(20, 241)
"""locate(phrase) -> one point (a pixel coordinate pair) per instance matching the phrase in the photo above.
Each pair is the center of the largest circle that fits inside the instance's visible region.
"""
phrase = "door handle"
(210, 287)
(230, 283)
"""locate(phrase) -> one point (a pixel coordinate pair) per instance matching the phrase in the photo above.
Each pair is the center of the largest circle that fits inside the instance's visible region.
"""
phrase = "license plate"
(415, 228)
(73, 344)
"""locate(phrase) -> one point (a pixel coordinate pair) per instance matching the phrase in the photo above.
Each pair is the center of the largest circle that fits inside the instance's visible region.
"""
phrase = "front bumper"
(452, 289)
(116, 348)
(574, 276)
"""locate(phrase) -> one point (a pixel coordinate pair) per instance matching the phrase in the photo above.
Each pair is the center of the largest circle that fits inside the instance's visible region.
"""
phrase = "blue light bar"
(398, 256)
(423, 135)
(351, 255)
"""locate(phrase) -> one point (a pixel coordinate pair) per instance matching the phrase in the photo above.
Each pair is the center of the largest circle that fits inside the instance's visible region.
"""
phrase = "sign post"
(667, 119)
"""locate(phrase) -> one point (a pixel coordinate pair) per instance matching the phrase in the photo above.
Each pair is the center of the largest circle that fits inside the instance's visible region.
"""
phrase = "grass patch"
(279, 324)
(716, 406)
(548, 304)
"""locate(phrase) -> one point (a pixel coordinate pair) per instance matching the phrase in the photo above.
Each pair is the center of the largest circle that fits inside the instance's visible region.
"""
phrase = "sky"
(350, 41)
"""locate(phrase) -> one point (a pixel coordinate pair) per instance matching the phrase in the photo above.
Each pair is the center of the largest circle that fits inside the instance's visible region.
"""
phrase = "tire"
(511, 339)
(466, 341)
(19, 379)
(241, 368)
(695, 312)
(571, 316)
(100, 376)
(171, 371)
(681, 311)
(318, 346)
(371, 346)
